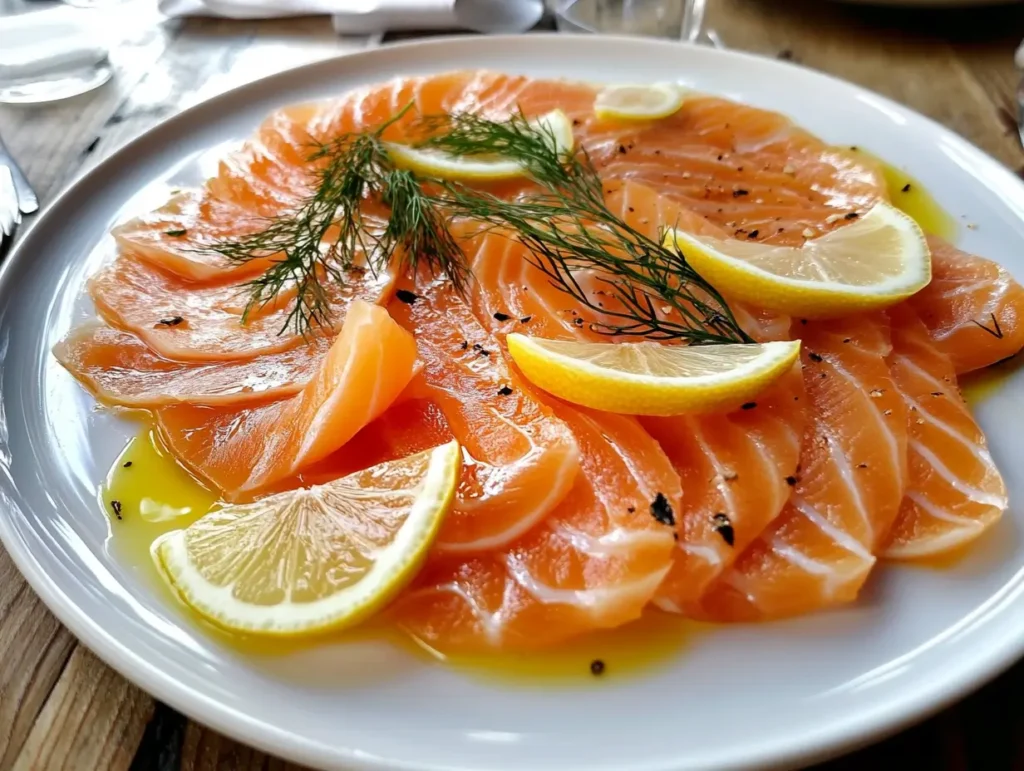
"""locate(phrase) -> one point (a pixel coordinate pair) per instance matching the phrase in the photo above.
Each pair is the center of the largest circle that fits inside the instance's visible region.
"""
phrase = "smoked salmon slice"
(737, 471)
(749, 171)
(973, 308)
(955, 492)
(203, 322)
(522, 460)
(594, 562)
(847, 491)
(178, 237)
(243, 451)
(123, 371)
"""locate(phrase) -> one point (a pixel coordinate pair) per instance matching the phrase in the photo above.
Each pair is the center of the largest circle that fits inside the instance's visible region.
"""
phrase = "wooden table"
(61, 708)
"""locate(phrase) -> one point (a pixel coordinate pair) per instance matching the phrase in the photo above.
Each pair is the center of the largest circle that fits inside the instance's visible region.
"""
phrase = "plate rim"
(838, 737)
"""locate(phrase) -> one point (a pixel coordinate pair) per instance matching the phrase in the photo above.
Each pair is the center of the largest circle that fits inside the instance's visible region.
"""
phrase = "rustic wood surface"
(61, 708)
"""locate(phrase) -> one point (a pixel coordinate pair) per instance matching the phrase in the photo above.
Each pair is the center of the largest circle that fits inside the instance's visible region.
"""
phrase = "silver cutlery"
(26, 197)
(9, 214)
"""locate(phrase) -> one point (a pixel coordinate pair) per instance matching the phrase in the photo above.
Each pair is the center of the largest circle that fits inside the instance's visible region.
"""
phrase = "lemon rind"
(806, 297)
(675, 98)
(394, 567)
(582, 382)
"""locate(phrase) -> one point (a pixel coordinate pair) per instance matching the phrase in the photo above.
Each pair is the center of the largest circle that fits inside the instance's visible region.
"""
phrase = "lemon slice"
(639, 102)
(650, 378)
(877, 261)
(325, 557)
(441, 165)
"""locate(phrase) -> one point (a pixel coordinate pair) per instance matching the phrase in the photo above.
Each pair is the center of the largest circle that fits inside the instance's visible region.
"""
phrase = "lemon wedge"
(877, 261)
(441, 165)
(639, 102)
(325, 557)
(650, 378)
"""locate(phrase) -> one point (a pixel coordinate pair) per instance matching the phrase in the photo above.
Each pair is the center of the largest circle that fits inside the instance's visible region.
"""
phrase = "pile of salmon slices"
(408, 457)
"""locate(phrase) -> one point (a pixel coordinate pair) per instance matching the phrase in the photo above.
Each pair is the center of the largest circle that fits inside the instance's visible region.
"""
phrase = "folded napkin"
(363, 17)
(49, 42)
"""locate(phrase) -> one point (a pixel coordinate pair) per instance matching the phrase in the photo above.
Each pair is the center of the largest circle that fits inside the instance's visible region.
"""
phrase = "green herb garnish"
(567, 228)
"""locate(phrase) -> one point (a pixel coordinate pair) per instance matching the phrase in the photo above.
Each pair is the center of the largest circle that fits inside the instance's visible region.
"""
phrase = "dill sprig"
(648, 290)
(347, 172)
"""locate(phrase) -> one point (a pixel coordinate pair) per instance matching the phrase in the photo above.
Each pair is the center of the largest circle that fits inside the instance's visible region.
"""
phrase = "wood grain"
(93, 719)
(61, 708)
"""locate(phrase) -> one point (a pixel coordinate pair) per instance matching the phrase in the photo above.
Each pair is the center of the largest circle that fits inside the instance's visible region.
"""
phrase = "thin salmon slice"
(594, 562)
(737, 471)
(513, 295)
(408, 426)
(973, 308)
(203, 322)
(243, 451)
(749, 171)
(652, 213)
(121, 370)
(522, 460)
(853, 470)
(179, 236)
(955, 492)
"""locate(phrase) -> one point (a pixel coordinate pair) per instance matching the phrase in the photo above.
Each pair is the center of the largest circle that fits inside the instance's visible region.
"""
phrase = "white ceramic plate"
(735, 698)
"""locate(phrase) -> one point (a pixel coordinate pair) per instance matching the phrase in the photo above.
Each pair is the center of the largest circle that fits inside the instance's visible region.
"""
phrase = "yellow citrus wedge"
(309, 560)
(639, 102)
(650, 378)
(441, 165)
(877, 261)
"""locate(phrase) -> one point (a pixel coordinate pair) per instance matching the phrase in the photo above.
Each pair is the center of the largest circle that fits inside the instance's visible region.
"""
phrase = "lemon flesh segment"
(877, 261)
(649, 102)
(651, 378)
(438, 164)
(306, 561)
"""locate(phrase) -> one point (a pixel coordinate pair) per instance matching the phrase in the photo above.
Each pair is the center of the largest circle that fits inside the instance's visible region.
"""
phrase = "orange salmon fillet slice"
(955, 492)
(203, 322)
(121, 370)
(737, 471)
(244, 451)
(594, 562)
(853, 473)
(522, 460)
(973, 308)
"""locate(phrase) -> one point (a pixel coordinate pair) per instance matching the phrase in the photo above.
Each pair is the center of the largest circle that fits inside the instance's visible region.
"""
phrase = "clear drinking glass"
(653, 18)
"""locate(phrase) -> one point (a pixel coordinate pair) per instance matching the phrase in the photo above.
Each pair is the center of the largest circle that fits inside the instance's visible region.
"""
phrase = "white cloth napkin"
(363, 17)
(48, 42)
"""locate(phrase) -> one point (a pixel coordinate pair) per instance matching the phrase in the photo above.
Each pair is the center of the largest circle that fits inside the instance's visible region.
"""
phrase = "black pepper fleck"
(905, 188)
(406, 296)
(597, 667)
(173, 321)
(851, 216)
(525, 319)
(862, 465)
(724, 528)
(752, 234)
(499, 316)
(661, 510)
(116, 506)
(748, 406)
(504, 391)
(622, 149)
(738, 193)
(814, 356)
(631, 509)
(175, 233)
(791, 481)
(465, 344)
(127, 464)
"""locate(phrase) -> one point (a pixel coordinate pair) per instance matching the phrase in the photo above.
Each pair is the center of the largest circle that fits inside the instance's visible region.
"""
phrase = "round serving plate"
(734, 697)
